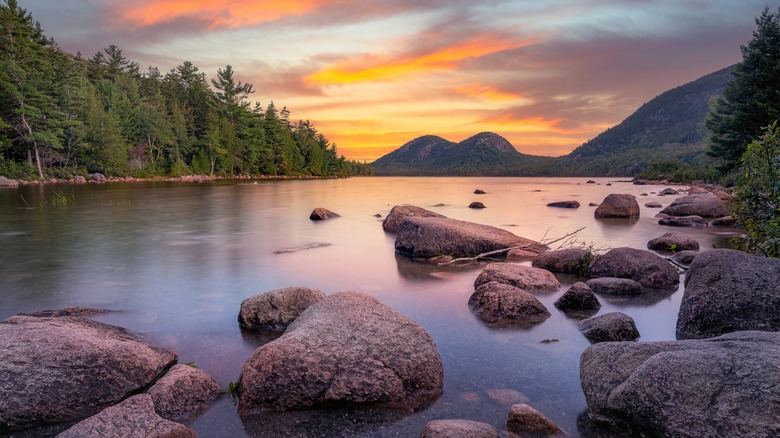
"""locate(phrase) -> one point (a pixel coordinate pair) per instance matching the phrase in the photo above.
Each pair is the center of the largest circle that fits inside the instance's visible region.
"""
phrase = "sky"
(371, 75)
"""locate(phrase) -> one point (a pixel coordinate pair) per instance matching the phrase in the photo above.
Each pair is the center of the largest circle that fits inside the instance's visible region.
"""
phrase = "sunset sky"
(372, 75)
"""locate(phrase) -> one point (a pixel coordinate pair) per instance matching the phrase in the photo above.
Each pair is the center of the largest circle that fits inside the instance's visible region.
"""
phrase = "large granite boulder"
(504, 304)
(527, 421)
(274, 310)
(321, 214)
(673, 242)
(528, 278)
(727, 291)
(566, 261)
(618, 206)
(614, 286)
(183, 392)
(706, 205)
(644, 267)
(61, 369)
(348, 349)
(725, 386)
(134, 417)
(458, 429)
(400, 212)
(433, 236)
(609, 327)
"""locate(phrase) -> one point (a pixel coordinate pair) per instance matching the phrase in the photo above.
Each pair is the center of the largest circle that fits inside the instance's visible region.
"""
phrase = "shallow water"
(176, 260)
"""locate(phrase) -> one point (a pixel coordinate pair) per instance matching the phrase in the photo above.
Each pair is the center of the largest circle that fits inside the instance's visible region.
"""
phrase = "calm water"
(176, 260)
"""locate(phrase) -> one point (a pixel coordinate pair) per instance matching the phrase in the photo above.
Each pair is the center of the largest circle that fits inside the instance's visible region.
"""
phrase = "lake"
(175, 260)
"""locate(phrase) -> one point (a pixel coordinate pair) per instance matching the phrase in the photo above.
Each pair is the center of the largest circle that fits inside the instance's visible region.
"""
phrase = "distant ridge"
(671, 126)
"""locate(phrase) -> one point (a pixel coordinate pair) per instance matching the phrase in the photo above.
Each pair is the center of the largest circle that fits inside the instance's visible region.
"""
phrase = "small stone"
(476, 205)
(564, 204)
(527, 421)
(610, 327)
(578, 297)
(653, 205)
(479, 192)
(319, 214)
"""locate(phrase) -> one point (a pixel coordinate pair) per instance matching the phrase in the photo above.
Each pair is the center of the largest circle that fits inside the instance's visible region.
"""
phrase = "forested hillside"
(62, 115)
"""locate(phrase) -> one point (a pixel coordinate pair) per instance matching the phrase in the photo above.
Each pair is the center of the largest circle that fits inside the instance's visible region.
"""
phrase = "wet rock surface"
(609, 327)
(183, 392)
(566, 261)
(527, 421)
(644, 267)
(504, 304)
(618, 206)
(528, 278)
(274, 310)
(673, 242)
(707, 205)
(398, 213)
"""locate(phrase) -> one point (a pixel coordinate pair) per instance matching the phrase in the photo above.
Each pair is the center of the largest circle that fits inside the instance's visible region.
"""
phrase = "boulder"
(727, 291)
(458, 428)
(696, 190)
(684, 258)
(578, 297)
(564, 204)
(501, 303)
(98, 177)
(527, 421)
(401, 212)
(5, 182)
(134, 417)
(673, 242)
(520, 276)
(725, 221)
(705, 205)
(349, 350)
(653, 205)
(79, 179)
(66, 368)
(433, 236)
(683, 221)
(644, 267)
(321, 214)
(274, 310)
(566, 261)
(183, 391)
(590, 181)
(725, 386)
(618, 206)
(476, 205)
(669, 191)
(609, 327)
(614, 286)
(479, 192)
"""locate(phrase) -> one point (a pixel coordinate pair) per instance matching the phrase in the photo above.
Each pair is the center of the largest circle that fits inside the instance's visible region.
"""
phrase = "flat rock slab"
(183, 392)
(458, 428)
(67, 368)
(644, 267)
(609, 327)
(706, 205)
(274, 310)
(400, 212)
(528, 278)
(724, 386)
(501, 303)
(433, 236)
(348, 350)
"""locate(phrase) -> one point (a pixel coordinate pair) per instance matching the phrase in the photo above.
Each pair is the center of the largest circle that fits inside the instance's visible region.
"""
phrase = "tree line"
(62, 115)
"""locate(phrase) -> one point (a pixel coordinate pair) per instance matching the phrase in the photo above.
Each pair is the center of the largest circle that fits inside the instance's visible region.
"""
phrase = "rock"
(609, 327)
(527, 421)
(722, 195)
(704, 204)
(593, 204)
(696, 190)
(62, 369)
(653, 205)
(79, 179)
(590, 181)
(727, 291)
(644, 267)
(669, 191)
(501, 303)
(521, 254)
(68, 311)
(5, 182)
(578, 297)
(726, 386)
(348, 349)
(182, 392)
(476, 205)
(564, 204)
(401, 212)
(520, 276)
(566, 261)
(432, 236)
(614, 286)
(479, 192)
(684, 258)
(98, 177)
(134, 417)
(321, 214)
(274, 310)
(618, 206)
(725, 221)
(673, 242)
(506, 396)
(683, 221)
(458, 429)
(608, 184)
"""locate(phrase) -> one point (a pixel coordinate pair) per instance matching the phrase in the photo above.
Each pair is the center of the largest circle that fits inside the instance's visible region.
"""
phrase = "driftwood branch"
(485, 255)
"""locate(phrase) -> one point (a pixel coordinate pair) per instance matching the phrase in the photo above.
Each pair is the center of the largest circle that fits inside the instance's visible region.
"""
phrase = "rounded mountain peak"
(491, 140)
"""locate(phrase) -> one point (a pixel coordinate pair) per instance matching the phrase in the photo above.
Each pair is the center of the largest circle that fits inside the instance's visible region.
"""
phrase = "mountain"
(670, 127)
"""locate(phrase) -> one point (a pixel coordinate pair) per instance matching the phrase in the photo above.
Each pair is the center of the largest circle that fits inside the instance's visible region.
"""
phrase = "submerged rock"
(458, 428)
(68, 311)
(520, 276)
(501, 303)
(609, 327)
(274, 310)
(614, 286)
(644, 267)
(183, 392)
(319, 214)
(682, 221)
(527, 421)
(400, 212)
(618, 206)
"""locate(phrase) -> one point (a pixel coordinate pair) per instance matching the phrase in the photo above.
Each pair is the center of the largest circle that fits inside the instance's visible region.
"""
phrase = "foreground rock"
(134, 417)
(520, 276)
(579, 298)
(727, 291)
(614, 286)
(618, 206)
(726, 386)
(398, 213)
(527, 421)
(458, 428)
(183, 392)
(566, 261)
(61, 369)
(673, 242)
(644, 267)
(564, 204)
(274, 310)
(706, 205)
(348, 349)
(501, 303)
(320, 214)
(433, 236)
(610, 327)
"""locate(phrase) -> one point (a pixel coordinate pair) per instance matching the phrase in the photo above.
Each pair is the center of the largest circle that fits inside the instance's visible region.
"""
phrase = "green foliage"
(751, 100)
(756, 204)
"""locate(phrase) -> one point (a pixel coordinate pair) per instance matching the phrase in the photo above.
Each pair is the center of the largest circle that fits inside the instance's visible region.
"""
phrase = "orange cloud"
(486, 92)
(372, 68)
(217, 13)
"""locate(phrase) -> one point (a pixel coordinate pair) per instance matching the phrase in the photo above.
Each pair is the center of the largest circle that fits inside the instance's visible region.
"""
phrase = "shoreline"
(10, 183)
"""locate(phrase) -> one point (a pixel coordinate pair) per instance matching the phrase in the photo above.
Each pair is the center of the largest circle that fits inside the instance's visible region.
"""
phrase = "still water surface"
(176, 260)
